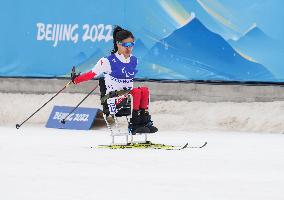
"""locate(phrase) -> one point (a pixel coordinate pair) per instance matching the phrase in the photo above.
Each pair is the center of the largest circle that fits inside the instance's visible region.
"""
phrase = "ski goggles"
(127, 44)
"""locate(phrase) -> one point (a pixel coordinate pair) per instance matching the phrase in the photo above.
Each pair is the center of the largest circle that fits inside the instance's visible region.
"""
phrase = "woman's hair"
(120, 34)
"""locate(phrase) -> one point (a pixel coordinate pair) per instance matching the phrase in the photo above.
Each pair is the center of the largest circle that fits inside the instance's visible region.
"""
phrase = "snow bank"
(167, 115)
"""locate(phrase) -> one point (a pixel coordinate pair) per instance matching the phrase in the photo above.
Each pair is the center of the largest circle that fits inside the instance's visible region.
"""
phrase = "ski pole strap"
(114, 94)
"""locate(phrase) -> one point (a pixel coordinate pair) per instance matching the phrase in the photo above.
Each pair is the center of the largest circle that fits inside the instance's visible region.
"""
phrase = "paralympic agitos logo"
(57, 33)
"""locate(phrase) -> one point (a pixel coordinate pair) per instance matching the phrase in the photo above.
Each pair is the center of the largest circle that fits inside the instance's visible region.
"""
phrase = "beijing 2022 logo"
(70, 32)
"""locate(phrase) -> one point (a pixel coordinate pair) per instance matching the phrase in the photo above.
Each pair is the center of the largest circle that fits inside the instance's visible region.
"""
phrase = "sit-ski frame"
(118, 132)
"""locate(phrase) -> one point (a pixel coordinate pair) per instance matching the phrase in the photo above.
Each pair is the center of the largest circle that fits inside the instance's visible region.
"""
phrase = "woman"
(119, 70)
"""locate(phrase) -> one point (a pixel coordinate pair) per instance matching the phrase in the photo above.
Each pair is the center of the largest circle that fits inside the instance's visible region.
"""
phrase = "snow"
(243, 158)
(40, 163)
(260, 117)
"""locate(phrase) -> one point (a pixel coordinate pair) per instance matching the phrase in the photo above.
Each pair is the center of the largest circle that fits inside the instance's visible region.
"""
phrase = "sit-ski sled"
(111, 110)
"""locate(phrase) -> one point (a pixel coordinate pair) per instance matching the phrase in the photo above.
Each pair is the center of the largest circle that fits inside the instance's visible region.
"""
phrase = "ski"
(148, 145)
(197, 147)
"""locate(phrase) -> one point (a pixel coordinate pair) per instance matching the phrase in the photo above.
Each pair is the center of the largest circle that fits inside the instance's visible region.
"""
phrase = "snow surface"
(40, 163)
(50, 164)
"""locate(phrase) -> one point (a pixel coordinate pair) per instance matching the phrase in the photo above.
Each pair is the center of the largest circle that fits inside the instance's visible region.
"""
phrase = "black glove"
(73, 74)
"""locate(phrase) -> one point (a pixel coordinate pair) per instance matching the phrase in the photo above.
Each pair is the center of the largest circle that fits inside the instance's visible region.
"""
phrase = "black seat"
(124, 108)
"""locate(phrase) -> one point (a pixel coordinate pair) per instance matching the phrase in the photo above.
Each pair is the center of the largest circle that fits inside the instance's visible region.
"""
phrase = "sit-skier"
(119, 70)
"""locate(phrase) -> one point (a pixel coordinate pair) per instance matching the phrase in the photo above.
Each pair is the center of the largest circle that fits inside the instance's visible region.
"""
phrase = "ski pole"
(63, 120)
(19, 125)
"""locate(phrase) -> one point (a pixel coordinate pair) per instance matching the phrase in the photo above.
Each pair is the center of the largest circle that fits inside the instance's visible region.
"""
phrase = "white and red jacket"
(118, 72)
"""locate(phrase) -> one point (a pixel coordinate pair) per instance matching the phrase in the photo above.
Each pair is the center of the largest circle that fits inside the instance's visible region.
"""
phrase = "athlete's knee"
(135, 91)
(144, 89)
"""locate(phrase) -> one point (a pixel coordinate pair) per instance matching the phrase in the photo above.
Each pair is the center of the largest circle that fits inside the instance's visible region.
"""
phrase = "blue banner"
(80, 119)
(175, 39)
